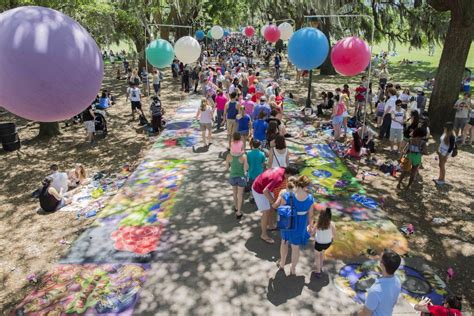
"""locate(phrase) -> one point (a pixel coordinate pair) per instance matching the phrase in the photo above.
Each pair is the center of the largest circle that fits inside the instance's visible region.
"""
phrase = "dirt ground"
(31, 242)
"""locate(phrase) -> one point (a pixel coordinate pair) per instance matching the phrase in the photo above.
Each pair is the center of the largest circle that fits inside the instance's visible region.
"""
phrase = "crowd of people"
(236, 98)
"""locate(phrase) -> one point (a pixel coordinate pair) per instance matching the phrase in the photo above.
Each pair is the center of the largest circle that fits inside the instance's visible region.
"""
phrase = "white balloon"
(187, 49)
(217, 32)
(286, 30)
(262, 29)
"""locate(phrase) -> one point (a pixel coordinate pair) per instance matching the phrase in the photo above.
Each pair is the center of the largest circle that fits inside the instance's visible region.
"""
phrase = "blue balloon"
(226, 33)
(199, 35)
(308, 48)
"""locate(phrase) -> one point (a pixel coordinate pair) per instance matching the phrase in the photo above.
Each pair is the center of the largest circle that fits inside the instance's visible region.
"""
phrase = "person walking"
(205, 114)
(230, 115)
(237, 161)
(446, 147)
(156, 111)
(220, 102)
(324, 233)
(279, 156)
(88, 117)
(387, 114)
(157, 77)
(302, 203)
(262, 191)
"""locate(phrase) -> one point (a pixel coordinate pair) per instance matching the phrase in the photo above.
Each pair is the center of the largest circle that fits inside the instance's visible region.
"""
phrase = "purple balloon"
(50, 67)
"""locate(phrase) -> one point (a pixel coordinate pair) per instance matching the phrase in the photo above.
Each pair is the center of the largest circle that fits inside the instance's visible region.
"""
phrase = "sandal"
(239, 216)
(268, 240)
(273, 229)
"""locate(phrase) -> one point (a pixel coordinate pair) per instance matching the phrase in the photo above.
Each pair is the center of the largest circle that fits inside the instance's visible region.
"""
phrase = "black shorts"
(136, 105)
(320, 247)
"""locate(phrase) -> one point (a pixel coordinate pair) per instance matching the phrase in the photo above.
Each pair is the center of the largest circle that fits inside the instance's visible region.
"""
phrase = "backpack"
(143, 120)
(286, 216)
(455, 151)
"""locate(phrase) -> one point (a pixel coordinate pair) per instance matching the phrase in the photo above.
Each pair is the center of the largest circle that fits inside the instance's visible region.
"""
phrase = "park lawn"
(411, 76)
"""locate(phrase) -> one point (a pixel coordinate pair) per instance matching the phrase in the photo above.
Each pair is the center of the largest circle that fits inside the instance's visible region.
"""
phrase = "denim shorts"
(238, 182)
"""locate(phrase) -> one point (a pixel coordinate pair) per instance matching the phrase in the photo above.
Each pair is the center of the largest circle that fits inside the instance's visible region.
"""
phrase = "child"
(346, 91)
(356, 146)
(324, 233)
(244, 124)
(260, 128)
(256, 160)
(156, 113)
(380, 111)
(236, 161)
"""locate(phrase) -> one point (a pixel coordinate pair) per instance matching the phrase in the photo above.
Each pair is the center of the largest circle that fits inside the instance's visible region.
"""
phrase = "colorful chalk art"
(106, 266)
(362, 227)
(108, 289)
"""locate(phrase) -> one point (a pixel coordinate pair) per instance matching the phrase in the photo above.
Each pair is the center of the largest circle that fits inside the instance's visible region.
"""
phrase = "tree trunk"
(327, 68)
(450, 70)
(48, 130)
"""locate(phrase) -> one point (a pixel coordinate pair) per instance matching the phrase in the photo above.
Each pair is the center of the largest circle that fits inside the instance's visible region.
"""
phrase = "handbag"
(405, 164)
(274, 156)
(286, 216)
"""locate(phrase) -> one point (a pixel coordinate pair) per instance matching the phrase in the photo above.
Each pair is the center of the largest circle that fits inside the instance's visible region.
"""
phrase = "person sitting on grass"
(451, 307)
(355, 151)
(50, 199)
(77, 176)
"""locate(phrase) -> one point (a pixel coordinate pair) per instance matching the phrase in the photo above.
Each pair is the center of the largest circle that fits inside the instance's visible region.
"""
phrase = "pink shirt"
(221, 100)
(248, 106)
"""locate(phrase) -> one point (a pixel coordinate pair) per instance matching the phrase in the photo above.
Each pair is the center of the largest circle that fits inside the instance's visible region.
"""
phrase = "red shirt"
(270, 179)
(252, 91)
(437, 310)
(251, 79)
(360, 93)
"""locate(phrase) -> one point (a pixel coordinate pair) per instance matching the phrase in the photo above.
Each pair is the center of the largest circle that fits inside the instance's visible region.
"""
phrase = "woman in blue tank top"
(303, 204)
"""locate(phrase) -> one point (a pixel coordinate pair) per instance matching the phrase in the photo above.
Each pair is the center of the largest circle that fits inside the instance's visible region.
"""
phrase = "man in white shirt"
(135, 96)
(387, 114)
(396, 129)
(60, 180)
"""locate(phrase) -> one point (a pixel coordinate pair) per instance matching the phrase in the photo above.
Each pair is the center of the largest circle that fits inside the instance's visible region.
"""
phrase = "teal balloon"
(209, 34)
(160, 53)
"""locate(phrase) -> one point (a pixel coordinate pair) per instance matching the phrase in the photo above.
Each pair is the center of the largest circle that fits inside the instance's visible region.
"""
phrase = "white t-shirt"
(390, 104)
(59, 181)
(397, 119)
(323, 236)
(269, 91)
(206, 116)
(405, 98)
(134, 94)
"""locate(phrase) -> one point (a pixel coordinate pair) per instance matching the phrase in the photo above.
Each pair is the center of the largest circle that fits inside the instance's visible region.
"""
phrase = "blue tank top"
(232, 110)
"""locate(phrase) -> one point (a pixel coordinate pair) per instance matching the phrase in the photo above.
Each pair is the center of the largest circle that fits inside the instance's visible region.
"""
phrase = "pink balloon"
(272, 33)
(249, 31)
(350, 56)
(51, 68)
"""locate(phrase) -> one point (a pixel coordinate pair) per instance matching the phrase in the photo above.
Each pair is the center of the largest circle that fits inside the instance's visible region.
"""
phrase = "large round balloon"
(199, 35)
(50, 67)
(249, 31)
(308, 48)
(160, 53)
(187, 49)
(272, 33)
(262, 30)
(286, 30)
(350, 56)
(217, 32)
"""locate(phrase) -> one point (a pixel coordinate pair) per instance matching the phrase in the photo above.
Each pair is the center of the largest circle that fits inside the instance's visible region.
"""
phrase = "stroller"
(100, 125)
